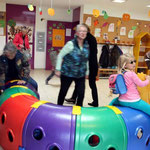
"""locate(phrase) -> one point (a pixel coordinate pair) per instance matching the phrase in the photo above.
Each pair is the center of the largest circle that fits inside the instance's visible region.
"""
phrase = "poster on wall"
(13, 29)
(58, 38)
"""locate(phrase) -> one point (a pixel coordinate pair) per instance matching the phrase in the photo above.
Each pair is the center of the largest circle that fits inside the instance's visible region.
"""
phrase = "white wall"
(2, 38)
(41, 26)
(61, 15)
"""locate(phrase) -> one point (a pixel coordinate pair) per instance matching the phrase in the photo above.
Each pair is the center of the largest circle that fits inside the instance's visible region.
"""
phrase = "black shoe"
(93, 104)
(70, 100)
(46, 82)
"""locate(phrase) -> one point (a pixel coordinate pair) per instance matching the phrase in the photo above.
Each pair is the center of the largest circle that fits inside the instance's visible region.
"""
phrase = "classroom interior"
(130, 32)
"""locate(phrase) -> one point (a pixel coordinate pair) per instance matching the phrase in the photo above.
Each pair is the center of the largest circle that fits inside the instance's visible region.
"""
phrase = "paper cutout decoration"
(105, 14)
(88, 21)
(97, 32)
(149, 13)
(40, 10)
(96, 22)
(51, 11)
(123, 31)
(2, 23)
(96, 12)
(104, 24)
(126, 17)
(30, 7)
(58, 38)
(69, 11)
(118, 23)
(134, 27)
(111, 27)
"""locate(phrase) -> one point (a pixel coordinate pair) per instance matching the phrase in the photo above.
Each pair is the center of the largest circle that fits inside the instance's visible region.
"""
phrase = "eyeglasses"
(82, 31)
(134, 61)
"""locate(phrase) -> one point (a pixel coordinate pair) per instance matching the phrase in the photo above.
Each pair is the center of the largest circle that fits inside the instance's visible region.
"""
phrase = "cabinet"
(142, 46)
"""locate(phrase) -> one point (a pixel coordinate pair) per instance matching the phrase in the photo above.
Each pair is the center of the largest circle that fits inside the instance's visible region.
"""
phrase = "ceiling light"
(119, 1)
(148, 6)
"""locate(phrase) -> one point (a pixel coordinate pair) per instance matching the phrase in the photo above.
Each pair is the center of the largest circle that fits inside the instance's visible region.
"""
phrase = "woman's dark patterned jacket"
(22, 66)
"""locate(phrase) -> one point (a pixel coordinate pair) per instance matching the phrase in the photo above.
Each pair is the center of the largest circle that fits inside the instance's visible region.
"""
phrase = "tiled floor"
(50, 92)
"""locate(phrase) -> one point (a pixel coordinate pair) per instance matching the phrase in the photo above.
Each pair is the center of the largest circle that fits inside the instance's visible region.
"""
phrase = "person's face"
(82, 32)
(10, 55)
(131, 64)
(24, 32)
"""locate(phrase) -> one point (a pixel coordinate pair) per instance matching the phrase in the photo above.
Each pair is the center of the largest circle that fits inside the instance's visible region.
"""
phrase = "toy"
(29, 124)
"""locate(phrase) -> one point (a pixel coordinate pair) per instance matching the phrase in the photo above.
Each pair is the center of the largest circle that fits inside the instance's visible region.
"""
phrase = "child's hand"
(148, 78)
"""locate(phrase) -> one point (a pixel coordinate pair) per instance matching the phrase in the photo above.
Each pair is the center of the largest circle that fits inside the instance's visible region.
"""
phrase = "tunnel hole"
(139, 133)
(38, 134)
(10, 136)
(53, 147)
(147, 142)
(111, 148)
(3, 118)
(94, 140)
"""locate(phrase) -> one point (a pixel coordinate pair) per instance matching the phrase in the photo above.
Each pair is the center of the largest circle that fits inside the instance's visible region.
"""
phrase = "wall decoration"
(111, 27)
(96, 12)
(13, 28)
(58, 38)
(2, 23)
(131, 34)
(104, 24)
(118, 23)
(88, 21)
(105, 14)
(126, 17)
(96, 22)
(123, 31)
(97, 32)
(68, 32)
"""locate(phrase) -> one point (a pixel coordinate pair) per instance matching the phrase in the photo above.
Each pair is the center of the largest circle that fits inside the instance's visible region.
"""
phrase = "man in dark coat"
(93, 69)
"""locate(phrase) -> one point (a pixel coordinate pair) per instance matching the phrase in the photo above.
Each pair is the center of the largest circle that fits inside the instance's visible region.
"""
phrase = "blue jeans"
(32, 82)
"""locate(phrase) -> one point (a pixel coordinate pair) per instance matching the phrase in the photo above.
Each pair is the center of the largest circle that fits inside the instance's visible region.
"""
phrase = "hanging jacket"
(104, 57)
(115, 53)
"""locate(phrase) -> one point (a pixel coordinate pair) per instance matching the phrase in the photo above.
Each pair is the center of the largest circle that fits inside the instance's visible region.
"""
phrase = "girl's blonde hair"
(123, 60)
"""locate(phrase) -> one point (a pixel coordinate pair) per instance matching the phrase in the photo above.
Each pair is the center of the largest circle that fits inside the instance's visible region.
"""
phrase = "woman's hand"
(57, 73)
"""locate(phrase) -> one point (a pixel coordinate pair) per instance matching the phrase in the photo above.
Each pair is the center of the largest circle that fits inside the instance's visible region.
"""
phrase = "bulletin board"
(2, 23)
(100, 28)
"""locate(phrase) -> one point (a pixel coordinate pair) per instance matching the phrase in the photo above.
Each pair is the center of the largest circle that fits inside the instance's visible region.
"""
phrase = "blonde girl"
(131, 98)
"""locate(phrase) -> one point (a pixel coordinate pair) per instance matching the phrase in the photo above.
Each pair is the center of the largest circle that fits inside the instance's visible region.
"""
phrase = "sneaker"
(46, 82)
(93, 104)
(70, 100)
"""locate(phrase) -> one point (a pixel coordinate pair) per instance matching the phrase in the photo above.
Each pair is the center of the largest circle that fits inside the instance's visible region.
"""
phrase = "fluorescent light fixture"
(148, 6)
(118, 1)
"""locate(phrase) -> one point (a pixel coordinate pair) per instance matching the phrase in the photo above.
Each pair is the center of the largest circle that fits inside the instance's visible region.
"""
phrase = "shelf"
(142, 46)
(120, 44)
(142, 67)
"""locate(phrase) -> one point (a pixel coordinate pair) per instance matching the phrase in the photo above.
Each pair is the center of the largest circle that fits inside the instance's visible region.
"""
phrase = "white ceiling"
(134, 4)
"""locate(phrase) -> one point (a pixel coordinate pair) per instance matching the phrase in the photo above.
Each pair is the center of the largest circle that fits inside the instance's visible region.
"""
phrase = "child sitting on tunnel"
(131, 98)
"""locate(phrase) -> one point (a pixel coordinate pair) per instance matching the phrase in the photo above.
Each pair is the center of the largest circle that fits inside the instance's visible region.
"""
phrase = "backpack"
(117, 84)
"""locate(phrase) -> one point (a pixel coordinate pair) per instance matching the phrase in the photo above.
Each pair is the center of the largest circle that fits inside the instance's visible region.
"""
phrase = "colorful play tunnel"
(29, 124)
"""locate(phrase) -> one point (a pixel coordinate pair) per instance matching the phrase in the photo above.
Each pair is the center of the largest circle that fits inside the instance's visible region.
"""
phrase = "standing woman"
(72, 65)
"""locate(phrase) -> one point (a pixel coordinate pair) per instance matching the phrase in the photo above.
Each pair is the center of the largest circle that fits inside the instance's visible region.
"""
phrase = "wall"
(41, 26)
(61, 15)
(2, 38)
